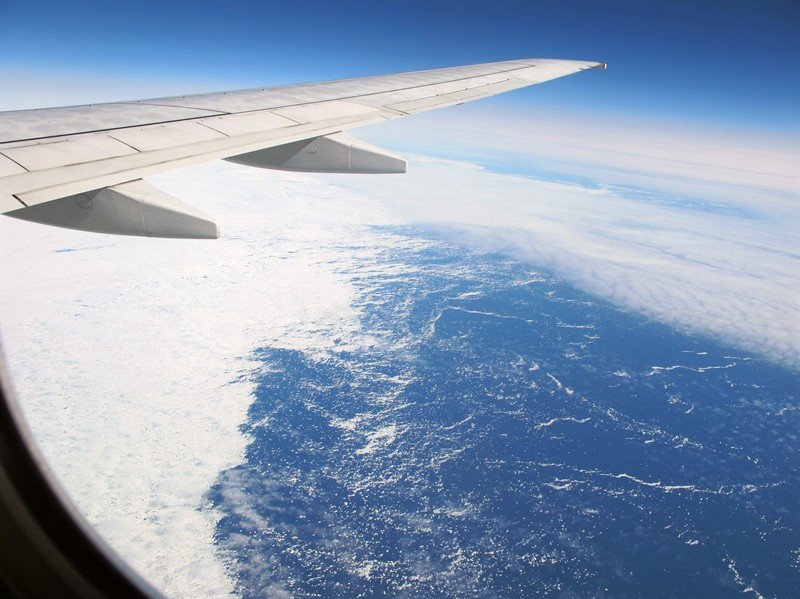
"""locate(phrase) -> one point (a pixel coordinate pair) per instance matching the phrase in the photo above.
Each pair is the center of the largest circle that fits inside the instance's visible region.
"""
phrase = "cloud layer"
(739, 167)
(694, 233)
(131, 356)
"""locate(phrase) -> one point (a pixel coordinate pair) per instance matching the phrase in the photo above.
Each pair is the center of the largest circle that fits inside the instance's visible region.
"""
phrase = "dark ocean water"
(505, 435)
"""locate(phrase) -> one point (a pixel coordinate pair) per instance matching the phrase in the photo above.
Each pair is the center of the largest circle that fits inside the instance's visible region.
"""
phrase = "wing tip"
(595, 65)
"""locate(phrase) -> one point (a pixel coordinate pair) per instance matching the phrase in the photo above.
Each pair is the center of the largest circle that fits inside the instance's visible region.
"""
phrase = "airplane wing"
(82, 167)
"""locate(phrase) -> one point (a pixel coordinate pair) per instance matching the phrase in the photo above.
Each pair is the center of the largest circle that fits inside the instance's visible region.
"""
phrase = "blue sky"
(723, 63)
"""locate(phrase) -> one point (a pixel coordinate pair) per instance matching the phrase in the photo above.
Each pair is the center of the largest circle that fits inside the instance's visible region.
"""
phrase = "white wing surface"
(81, 167)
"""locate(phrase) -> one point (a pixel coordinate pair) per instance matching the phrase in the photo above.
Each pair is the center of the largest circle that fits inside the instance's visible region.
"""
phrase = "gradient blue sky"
(719, 63)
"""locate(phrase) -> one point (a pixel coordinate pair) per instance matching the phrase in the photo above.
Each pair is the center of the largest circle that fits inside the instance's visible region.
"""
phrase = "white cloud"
(695, 230)
(131, 356)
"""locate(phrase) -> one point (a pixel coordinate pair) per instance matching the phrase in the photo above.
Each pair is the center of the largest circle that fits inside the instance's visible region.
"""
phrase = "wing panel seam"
(215, 112)
(124, 142)
(17, 163)
(207, 126)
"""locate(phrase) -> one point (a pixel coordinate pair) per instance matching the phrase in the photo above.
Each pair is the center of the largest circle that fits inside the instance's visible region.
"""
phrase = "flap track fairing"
(133, 208)
(337, 153)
